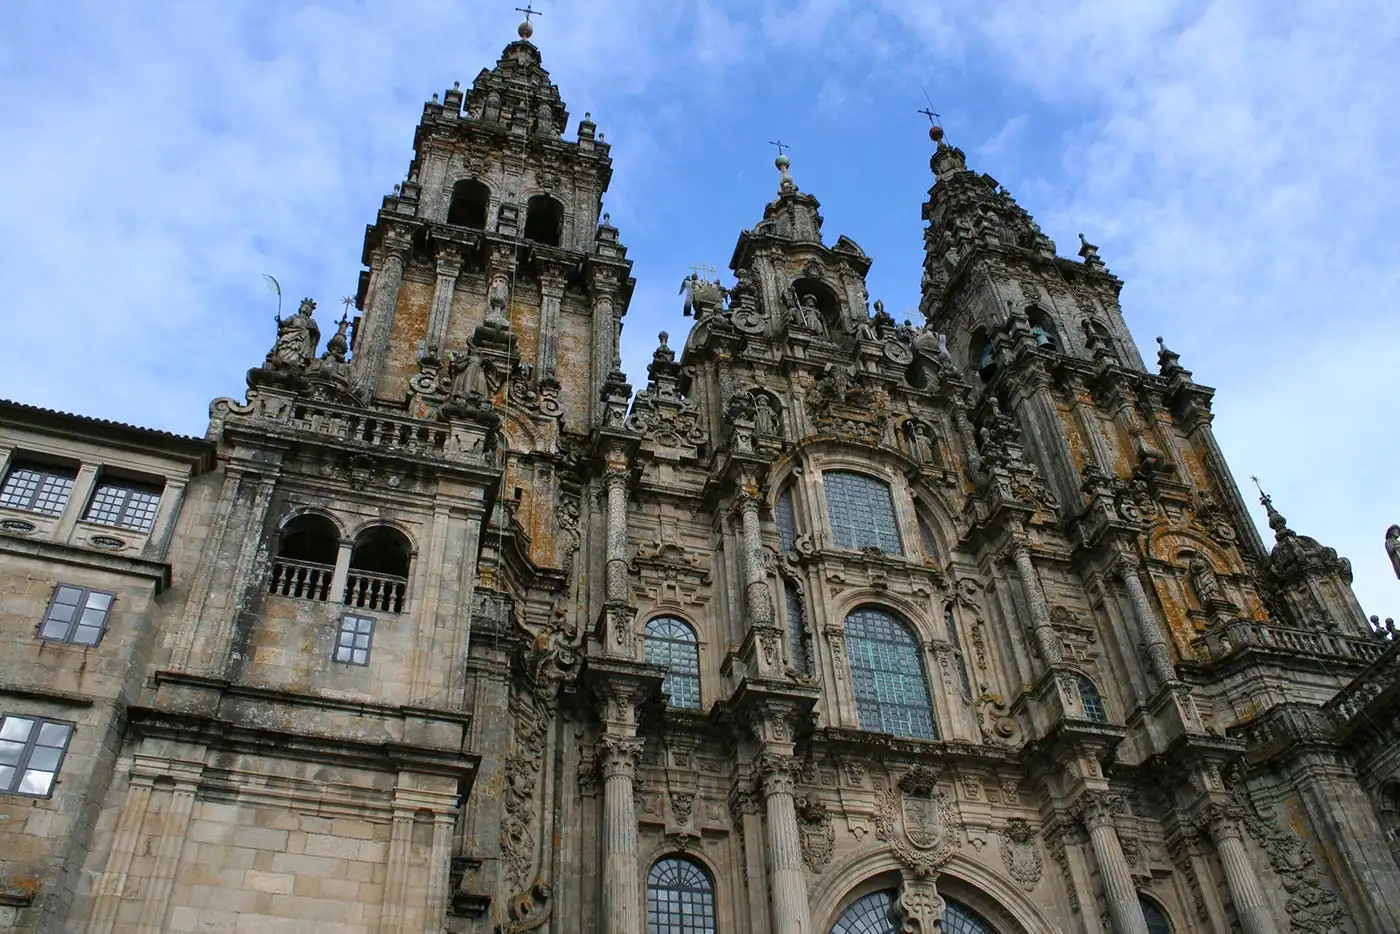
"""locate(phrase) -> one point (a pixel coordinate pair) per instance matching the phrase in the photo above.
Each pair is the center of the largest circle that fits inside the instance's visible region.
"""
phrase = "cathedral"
(834, 625)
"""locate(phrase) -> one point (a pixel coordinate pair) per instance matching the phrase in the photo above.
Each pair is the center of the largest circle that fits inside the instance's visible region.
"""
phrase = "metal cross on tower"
(529, 10)
(780, 144)
(703, 271)
(933, 116)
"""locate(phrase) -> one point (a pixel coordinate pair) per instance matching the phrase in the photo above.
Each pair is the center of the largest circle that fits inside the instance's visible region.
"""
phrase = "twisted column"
(1159, 656)
(1223, 825)
(758, 601)
(615, 485)
(622, 901)
(1045, 637)
(787, 880)
(1095, 810)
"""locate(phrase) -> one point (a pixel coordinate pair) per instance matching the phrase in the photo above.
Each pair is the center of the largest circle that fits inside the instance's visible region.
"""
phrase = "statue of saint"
(469, 375)
(1392, 547)
(765, 420)
(1205, 582)
(921, 443)
(297, 337)
(812, 316)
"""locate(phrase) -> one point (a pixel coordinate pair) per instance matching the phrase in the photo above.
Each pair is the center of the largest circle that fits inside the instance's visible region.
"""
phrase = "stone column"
(969, 438)
(758, 601)
(604, 288)
(78, 499)
(341, 573)
(393, 907)
(622, 900)
(1046, 639)
(1223, 825)
(112, 885)
(440, 318)
(1159, 656)
(369, 356)
(787, 879)
(171, 499)
(1095, 810)
(615, 485)
(172, 843)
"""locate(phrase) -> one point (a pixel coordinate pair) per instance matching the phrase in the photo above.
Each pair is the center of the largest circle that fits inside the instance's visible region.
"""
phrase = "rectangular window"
(76, 615)
(125, 505)
(37, 488)
(861, 510)
(31, 751)
(353, 641)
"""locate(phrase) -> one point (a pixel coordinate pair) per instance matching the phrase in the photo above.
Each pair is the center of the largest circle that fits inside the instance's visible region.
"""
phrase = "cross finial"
(347, 301)
(780, 144)
(933, 116)
(529, 10)
(703, 271)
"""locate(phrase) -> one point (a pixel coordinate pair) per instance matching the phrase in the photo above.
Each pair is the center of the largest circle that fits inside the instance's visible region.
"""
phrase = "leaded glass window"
(124, 505)
(960, 919)
(786, 519)
(671, 642)
(926, 541)
(31, 752)
(76, 614)
(861, 510)
(37, 488)
(797, 634)
(871, 914)
(680, 898)
(887, 675)
(1155, 917)
(1093, 701)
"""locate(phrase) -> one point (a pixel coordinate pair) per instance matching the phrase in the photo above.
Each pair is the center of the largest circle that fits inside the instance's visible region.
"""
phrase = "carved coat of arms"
(918, 821)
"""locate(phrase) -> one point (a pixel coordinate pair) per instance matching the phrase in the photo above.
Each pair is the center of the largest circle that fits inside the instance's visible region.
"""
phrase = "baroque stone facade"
(839, 623)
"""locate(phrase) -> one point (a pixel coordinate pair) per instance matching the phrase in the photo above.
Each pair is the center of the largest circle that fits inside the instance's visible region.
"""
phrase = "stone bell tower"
(495, 248)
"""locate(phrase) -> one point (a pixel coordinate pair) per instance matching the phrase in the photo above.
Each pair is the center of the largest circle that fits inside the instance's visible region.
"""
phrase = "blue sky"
(1233, 160)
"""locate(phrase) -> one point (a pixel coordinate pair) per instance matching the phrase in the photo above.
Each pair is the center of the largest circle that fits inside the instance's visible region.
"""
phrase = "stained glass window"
(671, 642)
(786, 519)
(927, 542)
(797, 635)
(1155, 917)
(31, 751)
(861, 511)
(1093, 701)
(960, 919)
(887, 674)
(680, 898)
(37, 488)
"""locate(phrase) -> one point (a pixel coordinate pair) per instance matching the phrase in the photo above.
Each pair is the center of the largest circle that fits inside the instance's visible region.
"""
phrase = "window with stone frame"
(37, 487)
(797, 627)
(1094, 708)
(887, 675)
(786, 519)
(31, 754)
(77, 615)
(680, 898)
(353, 640)
(861, 511)
(877, 913)
(1156, 918)
(670, 642)
(124, 504)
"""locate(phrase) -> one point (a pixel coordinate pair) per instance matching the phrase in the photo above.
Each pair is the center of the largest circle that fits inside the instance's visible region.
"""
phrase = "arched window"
(680, 898)
(305, 562)
(861, 510)
(1043, 329)
(786, 520)
(797, 630)
(469, 202)
(1096, 335)
(887, 675)
(378, 578)
(926, 541)
(544, 220)
(1155, 917)
(875, 914)
(1093, 701)
(983, 356)
(671, 642)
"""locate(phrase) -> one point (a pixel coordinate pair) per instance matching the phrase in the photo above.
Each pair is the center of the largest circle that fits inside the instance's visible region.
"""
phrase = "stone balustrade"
(1242, 634)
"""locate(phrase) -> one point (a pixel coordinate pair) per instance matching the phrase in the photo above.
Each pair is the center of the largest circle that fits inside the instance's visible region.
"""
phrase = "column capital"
(620, 755)
(778, 773)
(1095, 809)
(1223, 821)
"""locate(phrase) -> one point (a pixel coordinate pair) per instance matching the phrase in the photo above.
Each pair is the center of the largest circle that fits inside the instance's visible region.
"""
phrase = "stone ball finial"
(456, 85)
(525, 30)
(663, 337)
(782, 162)
(935, 133)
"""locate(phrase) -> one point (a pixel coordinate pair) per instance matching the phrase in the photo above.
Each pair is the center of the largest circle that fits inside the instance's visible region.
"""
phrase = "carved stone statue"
(297, 337)
(470, 379)
(765, 420)
(812, 316)
(865, 330)
(1392, 547)
(921, 443)
(794, 315)
(1206, 584)
(332, 363)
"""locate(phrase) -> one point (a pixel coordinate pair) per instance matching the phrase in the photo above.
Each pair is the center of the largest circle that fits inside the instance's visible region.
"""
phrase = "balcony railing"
(382, 432)
(364, 590)
(302, 579)
(367, 591)
(1243, 634)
